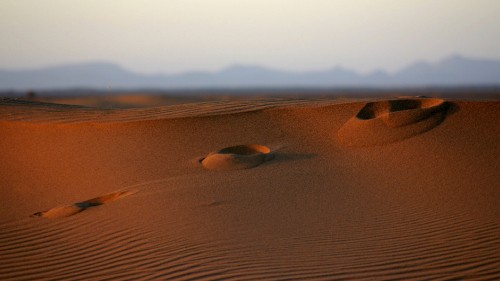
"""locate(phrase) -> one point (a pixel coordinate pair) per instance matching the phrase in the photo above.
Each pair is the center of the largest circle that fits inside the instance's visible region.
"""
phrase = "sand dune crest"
(66, 211)
(383, 122)
(237, 157)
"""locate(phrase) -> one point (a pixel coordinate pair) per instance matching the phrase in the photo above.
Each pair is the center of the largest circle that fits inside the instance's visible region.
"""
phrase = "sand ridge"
(42, 112)
(65, 211)
(424, 207)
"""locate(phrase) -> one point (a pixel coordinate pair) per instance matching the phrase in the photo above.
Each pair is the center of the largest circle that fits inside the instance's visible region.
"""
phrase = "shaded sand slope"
(423, 207)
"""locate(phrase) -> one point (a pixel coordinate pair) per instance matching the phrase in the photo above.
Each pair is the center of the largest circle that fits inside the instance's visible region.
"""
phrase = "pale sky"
(171, 36)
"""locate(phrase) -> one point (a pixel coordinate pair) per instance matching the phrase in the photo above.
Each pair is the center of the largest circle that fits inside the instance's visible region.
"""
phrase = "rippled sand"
(257, 189)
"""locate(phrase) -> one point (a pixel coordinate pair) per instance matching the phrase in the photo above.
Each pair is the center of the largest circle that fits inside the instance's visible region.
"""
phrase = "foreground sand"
(405, 189)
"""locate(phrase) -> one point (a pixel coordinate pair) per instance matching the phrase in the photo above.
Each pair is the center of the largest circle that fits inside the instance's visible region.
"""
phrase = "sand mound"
(383, 122)
(66, 211)
(237, 157)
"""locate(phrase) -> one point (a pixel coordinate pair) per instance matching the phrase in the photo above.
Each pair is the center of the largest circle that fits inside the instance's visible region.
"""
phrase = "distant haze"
(452, 71)
(175, 36)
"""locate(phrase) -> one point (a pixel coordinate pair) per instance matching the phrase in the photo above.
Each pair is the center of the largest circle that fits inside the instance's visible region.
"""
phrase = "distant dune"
(452, 71)
(251, 189)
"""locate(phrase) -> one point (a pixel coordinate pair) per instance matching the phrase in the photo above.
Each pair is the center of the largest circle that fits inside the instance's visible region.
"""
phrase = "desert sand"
(257, 189)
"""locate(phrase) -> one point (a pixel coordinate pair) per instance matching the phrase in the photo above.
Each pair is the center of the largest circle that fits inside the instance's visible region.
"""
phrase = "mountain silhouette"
(452, 71)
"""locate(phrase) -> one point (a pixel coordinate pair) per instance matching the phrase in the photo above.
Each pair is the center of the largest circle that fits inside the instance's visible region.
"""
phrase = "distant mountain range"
(452, 71)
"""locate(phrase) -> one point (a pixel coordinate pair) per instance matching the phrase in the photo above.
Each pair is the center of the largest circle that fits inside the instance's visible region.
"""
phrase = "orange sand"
(402, 189)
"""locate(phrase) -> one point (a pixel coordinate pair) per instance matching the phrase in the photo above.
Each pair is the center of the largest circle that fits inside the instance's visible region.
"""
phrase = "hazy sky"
(176, 35)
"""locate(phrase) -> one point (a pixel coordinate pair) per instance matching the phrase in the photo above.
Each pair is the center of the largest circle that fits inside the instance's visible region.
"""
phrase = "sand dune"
(400, 189)
(130, 100)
